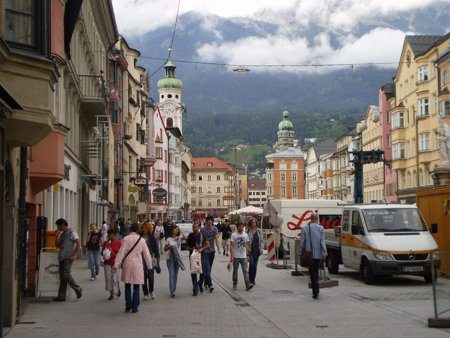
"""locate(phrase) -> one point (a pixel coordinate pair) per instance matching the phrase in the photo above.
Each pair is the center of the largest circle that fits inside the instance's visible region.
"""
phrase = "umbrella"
(250, 210)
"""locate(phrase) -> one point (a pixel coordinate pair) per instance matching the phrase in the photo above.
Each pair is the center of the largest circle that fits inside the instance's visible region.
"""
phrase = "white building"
(257, 192)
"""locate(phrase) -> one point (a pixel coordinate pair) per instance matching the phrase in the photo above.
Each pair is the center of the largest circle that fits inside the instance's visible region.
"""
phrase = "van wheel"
(429, 278)
(366, 272)
(332, 264)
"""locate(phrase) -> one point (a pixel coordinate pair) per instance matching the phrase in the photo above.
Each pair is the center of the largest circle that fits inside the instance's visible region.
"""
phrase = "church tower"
(285, 133)
(170, 89)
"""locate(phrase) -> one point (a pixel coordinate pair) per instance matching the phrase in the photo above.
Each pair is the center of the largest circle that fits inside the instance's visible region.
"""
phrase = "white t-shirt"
(239, 243)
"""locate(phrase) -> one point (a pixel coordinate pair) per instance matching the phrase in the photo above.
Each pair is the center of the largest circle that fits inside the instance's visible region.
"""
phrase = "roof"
(289, 152)
(209, 163)
(350, 132)
(256, 184)
(324, 147)
(421, 43)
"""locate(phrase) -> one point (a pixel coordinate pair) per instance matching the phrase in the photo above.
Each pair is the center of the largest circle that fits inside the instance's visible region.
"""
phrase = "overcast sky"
(137, 17)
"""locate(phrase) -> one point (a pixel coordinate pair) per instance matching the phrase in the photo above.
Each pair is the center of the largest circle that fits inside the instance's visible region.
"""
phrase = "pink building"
(386, 103)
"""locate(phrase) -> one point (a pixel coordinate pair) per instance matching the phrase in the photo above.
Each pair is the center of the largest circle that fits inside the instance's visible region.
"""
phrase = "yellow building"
(373, 173)
(415, 118)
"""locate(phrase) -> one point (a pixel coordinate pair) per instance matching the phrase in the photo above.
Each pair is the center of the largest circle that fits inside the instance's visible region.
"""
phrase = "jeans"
(160, 242)
(314, 276)
(243, 263)
(253, 267)
(94, 262)
(173, 268)
(207, 262)
(149, 281)
(65, 278)
(197, 284)
(132, 303)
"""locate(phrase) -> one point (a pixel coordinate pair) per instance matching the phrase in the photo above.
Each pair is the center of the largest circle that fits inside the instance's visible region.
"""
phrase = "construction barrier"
(271, 247)
(48, 273)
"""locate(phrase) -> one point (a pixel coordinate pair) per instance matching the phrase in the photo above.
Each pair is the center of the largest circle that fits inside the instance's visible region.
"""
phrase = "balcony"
(398, 134)
(47, 162)
(93, 93)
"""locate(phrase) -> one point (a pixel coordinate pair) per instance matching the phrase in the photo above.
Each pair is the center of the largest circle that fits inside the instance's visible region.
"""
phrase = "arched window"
(169, 122)
(414, 179)
(421, 178)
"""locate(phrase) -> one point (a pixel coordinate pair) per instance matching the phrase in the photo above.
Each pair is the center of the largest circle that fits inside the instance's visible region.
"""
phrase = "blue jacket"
(317, 239)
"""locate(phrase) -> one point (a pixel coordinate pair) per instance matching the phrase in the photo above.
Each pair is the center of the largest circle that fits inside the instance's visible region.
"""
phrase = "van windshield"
(393, 220)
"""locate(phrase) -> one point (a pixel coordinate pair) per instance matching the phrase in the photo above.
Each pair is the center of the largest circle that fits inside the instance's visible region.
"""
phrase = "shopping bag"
(195, 262)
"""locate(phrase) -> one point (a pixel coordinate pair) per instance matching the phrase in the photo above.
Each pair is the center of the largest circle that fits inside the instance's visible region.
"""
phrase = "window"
(218, 190)
(193, 203)
(218, 202)
(209, 203)
(446, 77)
(115, 112)
(294, 165)
(194, 189)
(209, 177)
(424, 142)
(158, 175)
(26, 24)
(116, 153)
(283, 177)
(209, 190)
(200, 203)
(283, 191)
(422, 73)
(209, 164)
(444, 108)
(388, 117)
(398, 120)
(388, 140)
(282, 165)
(398, 151)
(200, 177)
(200, 190)
(218, 177)
(294, 177)
(423, 107)
(294, 191)
(158, 152)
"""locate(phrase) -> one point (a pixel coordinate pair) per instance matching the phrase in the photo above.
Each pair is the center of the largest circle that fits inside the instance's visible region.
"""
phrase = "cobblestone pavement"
(280, 305)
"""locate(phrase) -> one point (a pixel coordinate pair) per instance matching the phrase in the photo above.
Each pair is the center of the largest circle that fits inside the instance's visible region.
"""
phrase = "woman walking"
(93, 247)
(130, 255)
(159, 235)
(255, 237)
(173, 246)
(110, 249)
(149, 275)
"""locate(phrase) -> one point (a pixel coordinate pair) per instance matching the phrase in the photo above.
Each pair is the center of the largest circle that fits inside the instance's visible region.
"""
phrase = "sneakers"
(172, 295)
(111, 297)
(211, 289)
(134, 310)
(146, 297)
(119, 293)
(58, 299)
(315, 296)
(92, 278)
(249, 287)
(79, 293)
(200, 288)
(152, 296)
(128, 309)
(234, 287)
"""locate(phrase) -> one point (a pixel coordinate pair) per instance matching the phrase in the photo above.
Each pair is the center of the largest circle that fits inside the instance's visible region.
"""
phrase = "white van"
(382, 240)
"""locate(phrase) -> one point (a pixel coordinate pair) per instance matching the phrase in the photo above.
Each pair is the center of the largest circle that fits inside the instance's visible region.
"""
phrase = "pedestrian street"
(280, 305)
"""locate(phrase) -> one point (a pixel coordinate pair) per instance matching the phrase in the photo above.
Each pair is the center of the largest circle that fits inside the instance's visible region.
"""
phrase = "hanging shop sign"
(140, 181)
(159, 194)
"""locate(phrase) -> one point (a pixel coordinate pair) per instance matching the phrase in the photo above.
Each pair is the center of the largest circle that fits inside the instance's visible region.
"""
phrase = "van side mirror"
(434, 228)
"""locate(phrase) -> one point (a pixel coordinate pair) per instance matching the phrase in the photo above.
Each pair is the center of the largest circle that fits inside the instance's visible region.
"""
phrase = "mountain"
(223, 105)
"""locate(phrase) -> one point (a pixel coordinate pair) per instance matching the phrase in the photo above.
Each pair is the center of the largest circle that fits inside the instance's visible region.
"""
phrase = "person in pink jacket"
(130, 255)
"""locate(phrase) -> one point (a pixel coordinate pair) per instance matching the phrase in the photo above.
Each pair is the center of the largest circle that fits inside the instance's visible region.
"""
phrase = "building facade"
(343, 182)
(257, 192)
(213, 187)
(286, 166)
(373, 173)
(386, 102)
(415, 117)
(313, 180)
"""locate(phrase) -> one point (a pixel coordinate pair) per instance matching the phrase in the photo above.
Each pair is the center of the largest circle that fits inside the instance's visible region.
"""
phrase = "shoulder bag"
(129, 251)
(306, 257)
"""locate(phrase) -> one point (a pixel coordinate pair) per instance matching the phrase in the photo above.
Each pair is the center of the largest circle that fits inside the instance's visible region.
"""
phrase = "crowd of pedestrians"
(134, 250)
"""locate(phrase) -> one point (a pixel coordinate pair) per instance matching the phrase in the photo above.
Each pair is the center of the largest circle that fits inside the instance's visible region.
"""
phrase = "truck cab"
(382, 240)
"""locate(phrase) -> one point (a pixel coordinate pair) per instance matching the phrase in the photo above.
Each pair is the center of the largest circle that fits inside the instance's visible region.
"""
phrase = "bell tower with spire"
(170, 105)
(285, 133)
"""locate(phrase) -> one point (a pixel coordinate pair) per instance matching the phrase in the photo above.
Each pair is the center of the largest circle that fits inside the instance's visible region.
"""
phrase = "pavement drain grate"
(243, 304)
(196, 323)
(282, 292)
(169, 335)
(27, 323)
(322, 326)
(393, 297)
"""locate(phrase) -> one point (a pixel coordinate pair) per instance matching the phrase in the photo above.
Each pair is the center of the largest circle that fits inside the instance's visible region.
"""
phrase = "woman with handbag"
(130, 255)
(174, 262)
(94, 238)
(110, 249)
(159, 235)
(149, 275)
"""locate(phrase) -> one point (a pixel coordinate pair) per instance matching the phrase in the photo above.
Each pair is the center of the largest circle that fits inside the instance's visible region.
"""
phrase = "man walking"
(69, 243)
(209, 232)
(196, 241)
(240, 251)
(226, 234)
(313, 240)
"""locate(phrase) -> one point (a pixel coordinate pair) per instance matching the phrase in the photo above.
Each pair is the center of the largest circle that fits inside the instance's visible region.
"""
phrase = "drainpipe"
(22, 225)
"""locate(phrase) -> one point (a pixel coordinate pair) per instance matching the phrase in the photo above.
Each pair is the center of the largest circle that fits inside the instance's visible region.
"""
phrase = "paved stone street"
(279, 306)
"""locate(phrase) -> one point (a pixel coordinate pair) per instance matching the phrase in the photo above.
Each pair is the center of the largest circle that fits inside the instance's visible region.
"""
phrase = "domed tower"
(285, 133)
(170, 89)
